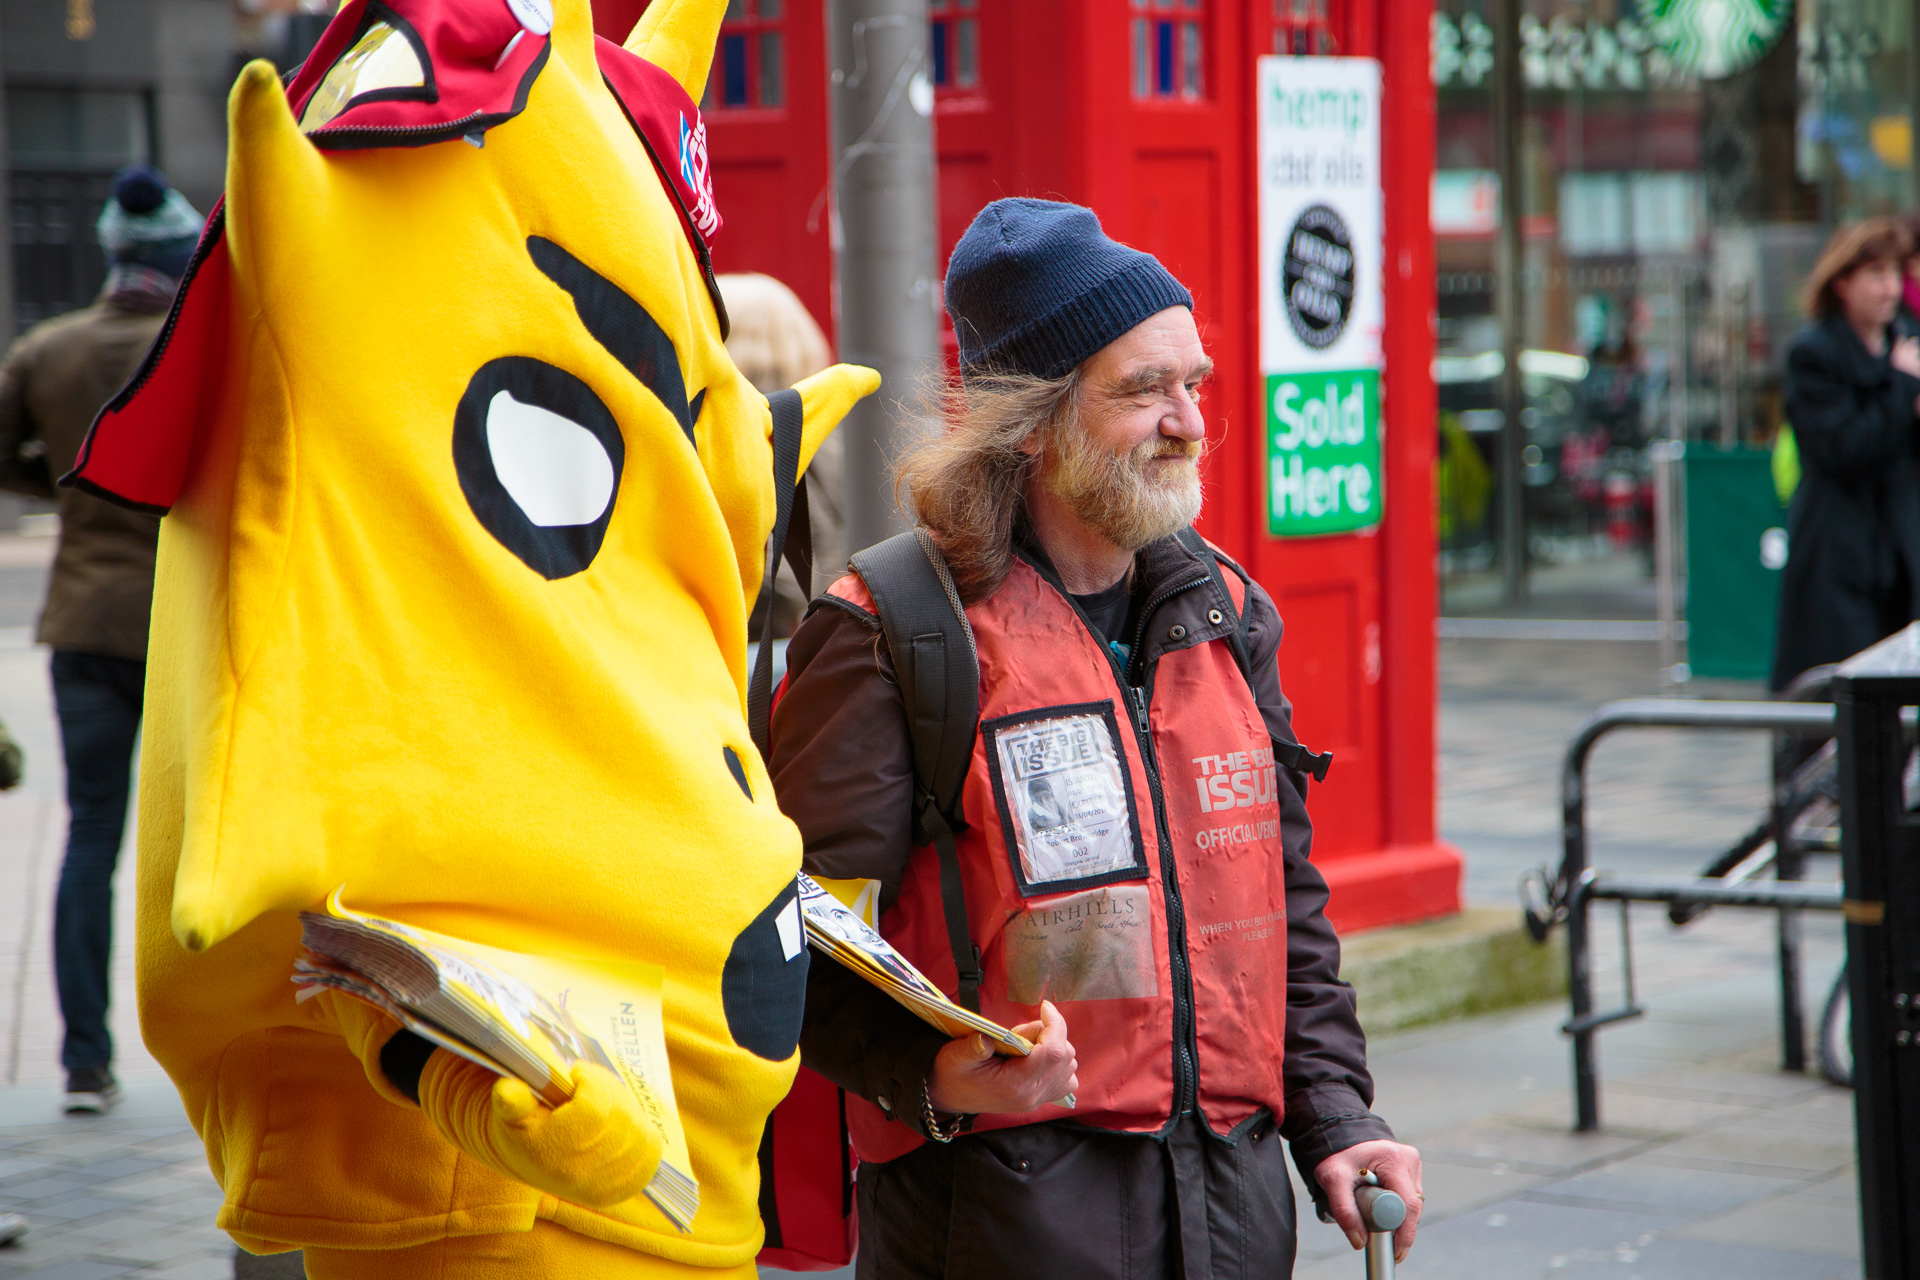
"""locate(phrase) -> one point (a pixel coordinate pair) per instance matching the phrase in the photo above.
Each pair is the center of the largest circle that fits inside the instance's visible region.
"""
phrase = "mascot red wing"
(464, 504)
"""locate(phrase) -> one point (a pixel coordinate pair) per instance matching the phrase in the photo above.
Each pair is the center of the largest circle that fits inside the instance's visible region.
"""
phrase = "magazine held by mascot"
(464, 508)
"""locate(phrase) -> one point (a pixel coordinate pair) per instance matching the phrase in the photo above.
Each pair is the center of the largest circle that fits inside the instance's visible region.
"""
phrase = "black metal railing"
(1567, 897)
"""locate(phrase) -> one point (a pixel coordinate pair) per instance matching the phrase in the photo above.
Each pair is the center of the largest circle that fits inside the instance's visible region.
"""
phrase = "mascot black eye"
(537, 452)
(539, 457)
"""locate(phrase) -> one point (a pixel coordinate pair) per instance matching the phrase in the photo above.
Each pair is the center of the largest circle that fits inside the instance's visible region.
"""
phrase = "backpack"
(937, 667)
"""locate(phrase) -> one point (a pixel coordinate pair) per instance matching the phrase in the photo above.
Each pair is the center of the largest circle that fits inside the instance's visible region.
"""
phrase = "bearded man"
(1134, 864)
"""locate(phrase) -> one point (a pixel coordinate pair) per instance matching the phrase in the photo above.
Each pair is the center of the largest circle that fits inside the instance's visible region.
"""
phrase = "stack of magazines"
(529, 1017)
(835, 929)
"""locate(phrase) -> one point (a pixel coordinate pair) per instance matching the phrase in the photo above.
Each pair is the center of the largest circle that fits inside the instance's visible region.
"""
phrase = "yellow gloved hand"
(598, 1148)
(366, 1031)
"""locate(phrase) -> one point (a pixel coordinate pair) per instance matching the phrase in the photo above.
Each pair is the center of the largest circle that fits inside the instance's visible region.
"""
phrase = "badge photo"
(1065, 796)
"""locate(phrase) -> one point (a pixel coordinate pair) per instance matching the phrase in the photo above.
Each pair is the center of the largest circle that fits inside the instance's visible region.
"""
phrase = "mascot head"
(464, 498)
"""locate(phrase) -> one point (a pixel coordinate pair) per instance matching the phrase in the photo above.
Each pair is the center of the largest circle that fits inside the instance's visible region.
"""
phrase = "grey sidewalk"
(123, 1195)
(127, 1194)
(1712, 1163)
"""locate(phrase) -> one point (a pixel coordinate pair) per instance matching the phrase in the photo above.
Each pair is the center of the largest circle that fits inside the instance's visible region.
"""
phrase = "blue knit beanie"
(148, 223)
(1035, 286)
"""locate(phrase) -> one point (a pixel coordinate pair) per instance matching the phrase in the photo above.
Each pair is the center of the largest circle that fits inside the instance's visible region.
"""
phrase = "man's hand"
(969, 1077)
(1396, 1165)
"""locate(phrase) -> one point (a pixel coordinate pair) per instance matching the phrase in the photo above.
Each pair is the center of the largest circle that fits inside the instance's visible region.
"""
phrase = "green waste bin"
(1736, 547)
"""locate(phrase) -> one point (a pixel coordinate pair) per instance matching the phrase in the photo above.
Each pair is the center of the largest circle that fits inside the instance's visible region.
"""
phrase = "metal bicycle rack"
(1567, 897)
(1871, 773)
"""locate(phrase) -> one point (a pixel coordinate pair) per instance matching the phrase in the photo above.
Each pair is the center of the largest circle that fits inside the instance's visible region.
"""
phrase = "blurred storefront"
(87, 86)
(1681, 162)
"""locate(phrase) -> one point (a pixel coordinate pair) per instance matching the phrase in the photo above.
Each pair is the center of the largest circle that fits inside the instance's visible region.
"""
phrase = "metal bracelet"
(934, 1131)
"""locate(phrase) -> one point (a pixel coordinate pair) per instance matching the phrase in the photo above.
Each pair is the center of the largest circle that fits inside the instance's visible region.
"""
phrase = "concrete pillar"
(885, 223)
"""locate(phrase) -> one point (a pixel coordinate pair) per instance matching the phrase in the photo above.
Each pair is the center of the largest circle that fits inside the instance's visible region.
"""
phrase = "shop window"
(1302, 27)
(749, 69)
(63, 146)
(955, 44)
(1169, 48)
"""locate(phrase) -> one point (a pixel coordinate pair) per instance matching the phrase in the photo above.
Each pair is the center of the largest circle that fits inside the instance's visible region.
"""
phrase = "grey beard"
(1113, 496)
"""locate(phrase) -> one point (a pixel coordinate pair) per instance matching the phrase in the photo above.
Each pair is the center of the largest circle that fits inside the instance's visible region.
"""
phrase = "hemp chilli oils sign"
(1321, 306)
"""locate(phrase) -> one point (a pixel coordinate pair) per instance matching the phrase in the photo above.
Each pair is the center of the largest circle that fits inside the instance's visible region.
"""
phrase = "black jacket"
(1853, 531)
(842, 768)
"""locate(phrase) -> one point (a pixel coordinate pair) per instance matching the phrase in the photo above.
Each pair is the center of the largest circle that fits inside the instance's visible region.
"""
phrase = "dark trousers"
(97, 699)
(1048, 1201)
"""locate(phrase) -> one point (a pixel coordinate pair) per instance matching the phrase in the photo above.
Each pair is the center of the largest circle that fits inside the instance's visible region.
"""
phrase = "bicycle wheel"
(1836, 1034)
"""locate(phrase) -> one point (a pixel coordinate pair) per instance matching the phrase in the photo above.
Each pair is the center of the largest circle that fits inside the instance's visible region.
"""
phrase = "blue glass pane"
(1163, 60)
(941, 72)
(733, 70)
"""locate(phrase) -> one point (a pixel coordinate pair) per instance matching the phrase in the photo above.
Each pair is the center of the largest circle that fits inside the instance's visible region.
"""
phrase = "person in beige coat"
(53, 382)
(776, 343)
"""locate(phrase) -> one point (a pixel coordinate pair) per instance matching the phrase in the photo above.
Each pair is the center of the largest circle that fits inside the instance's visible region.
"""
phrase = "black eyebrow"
(621, 325)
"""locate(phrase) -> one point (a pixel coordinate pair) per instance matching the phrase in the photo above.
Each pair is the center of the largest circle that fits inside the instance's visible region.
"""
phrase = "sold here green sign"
(1323, 452)
(1322, 308)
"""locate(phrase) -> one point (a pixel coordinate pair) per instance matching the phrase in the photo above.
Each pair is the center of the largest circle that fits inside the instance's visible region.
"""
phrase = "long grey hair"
(968, 481)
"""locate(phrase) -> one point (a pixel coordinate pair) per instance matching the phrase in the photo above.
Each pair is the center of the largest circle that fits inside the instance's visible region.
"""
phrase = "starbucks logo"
(1316, 277)
(1715, 38)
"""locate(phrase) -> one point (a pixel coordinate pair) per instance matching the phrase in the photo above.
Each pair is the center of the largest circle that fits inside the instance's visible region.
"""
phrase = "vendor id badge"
(1065, 797)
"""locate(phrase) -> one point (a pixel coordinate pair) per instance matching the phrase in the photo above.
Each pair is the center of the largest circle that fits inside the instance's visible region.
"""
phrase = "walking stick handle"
(1381, 1212)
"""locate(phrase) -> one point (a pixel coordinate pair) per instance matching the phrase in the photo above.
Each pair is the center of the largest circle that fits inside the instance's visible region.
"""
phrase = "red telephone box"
(1144, 110)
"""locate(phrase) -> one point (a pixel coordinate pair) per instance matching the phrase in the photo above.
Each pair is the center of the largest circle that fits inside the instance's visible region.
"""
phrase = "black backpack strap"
(1291, 755)
(789, 423)
(938, 668)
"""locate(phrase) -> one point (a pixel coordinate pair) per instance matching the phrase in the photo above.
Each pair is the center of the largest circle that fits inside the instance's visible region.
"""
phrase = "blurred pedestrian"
(54, 380)
(775, 342)
(1853, 391)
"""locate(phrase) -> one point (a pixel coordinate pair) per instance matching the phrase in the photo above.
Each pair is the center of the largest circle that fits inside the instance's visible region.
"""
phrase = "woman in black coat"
(1853, 390)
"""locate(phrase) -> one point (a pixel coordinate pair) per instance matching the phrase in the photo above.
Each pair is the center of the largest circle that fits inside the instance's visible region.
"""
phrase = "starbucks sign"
(1321, 304)
(1715, 38)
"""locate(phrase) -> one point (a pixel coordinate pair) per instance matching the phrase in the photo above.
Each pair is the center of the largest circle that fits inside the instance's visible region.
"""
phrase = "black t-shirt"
(1108, 610)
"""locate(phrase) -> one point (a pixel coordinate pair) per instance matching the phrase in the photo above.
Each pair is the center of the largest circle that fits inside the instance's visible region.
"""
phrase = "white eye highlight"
(380, 59)
(554, 469)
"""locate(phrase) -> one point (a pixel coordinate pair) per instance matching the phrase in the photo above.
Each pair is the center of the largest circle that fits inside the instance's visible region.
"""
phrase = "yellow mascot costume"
(465, 505)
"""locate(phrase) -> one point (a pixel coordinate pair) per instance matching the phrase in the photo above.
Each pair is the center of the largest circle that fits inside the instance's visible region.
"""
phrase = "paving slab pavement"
(1711, 1162)
(122, 1195)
